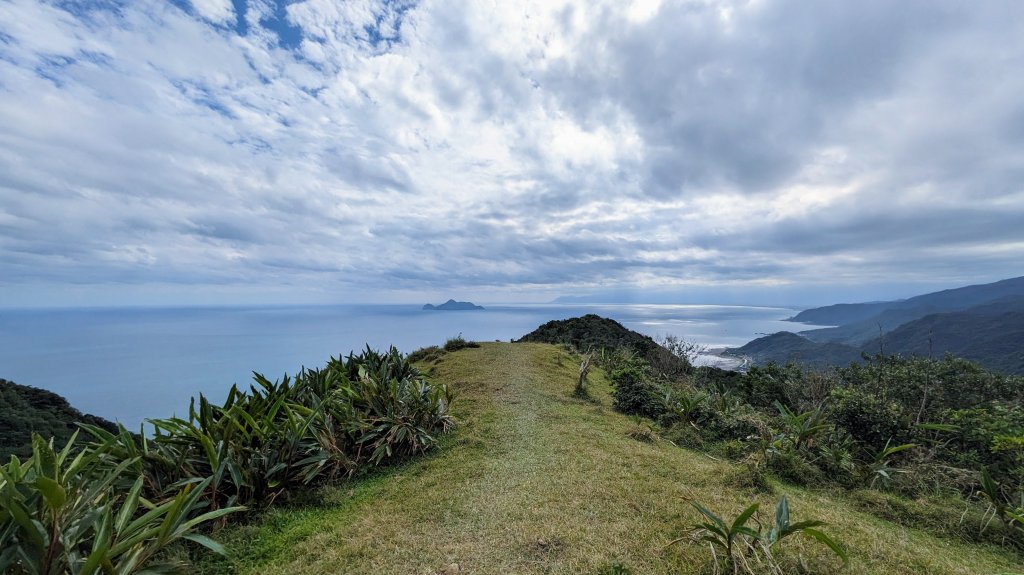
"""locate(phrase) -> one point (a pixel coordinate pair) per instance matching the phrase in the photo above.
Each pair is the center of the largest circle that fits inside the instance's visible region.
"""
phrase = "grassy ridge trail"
(536, 481)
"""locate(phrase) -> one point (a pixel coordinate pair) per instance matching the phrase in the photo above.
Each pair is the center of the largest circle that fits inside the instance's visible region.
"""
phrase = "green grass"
(536, 481)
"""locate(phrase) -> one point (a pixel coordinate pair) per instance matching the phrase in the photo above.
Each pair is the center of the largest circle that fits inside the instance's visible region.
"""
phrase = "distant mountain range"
(452, 305)
(983, 323)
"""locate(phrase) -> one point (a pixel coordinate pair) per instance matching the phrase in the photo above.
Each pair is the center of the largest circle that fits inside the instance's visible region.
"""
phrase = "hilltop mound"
(593, 332)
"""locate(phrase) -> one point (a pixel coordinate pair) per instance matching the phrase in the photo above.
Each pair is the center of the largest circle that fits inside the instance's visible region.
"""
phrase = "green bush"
(763, 386)
(367, 409)
(794, 467)
(66, 513)
(426, 354)
(867, 417)
(634, 391)
(458, 342)
(982, 437)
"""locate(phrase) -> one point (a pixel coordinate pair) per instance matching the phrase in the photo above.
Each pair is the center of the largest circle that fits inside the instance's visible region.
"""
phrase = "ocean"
(129, 364)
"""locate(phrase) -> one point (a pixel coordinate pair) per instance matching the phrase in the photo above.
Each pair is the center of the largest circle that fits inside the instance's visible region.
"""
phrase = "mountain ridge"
(991, 334)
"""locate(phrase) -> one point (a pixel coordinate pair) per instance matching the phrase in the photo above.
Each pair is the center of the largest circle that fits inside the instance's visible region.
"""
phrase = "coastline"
(716, 357)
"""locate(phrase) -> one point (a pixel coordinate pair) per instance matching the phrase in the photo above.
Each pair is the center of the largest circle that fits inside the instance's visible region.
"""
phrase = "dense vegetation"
(918, 428)
(121, 500)
(922, 429)
(26, 410)
(540, 481)
(593, 333)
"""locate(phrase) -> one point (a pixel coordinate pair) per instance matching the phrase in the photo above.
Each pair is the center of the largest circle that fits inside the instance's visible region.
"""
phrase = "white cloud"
(489, 146)
(216, 11)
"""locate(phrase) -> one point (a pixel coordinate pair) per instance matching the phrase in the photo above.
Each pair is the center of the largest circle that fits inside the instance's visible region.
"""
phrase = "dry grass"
(538, 481)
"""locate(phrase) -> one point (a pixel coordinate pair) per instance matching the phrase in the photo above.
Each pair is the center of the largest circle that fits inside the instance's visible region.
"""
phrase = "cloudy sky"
(210, 151)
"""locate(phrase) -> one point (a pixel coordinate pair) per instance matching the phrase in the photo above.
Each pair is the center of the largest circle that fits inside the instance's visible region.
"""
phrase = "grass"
(536, 481)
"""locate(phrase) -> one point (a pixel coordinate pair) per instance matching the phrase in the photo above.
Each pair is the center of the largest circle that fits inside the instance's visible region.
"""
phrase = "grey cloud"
(478, 148)
(368, 173)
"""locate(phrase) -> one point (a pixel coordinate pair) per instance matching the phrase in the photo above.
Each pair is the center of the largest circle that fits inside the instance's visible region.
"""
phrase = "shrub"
(867, 417)
(364, 410)
(458, 342)
(64, 514)
(641, 430)
(426, 354)
(982, 437)
(730, 448)
(749, 478)
(634, 392)
(763, 386)
(744, 547)
(794, 467)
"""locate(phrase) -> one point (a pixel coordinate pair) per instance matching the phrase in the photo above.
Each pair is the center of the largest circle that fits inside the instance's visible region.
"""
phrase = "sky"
(325, 151)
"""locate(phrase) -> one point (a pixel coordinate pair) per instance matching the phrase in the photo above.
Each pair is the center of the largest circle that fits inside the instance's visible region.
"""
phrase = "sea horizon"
(131, 363)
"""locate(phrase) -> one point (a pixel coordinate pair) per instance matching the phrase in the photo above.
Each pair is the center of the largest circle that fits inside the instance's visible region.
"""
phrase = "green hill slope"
(25, 409)
(537, 481)
(990, 334)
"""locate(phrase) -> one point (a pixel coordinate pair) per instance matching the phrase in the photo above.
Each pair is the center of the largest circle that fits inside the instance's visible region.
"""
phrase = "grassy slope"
(536, 481)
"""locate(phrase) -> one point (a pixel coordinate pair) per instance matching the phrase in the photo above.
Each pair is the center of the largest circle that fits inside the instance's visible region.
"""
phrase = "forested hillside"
(990, 333)
(26, 410)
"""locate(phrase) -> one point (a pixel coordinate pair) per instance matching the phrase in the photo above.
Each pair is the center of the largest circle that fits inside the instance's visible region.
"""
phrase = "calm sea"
(133, 363)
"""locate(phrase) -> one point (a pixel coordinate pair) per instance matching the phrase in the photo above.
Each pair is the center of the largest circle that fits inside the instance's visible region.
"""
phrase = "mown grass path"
(537, 481)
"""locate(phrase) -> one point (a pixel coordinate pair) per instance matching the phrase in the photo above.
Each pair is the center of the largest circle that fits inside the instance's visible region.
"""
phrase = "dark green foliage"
(929, 386)
(360, 411)
(795, 467)
(593, 333)
(26, 410)
(67, 513)
(867, 417)
(764, 386)
(634, 390)
(355, 413)
(913, 426)
(983, 437)
(426, 354)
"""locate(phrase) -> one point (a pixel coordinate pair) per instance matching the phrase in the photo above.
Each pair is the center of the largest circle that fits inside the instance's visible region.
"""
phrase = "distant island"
(452, 305)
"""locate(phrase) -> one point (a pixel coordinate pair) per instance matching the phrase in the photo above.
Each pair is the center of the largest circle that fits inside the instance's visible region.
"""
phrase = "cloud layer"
(369, 149)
